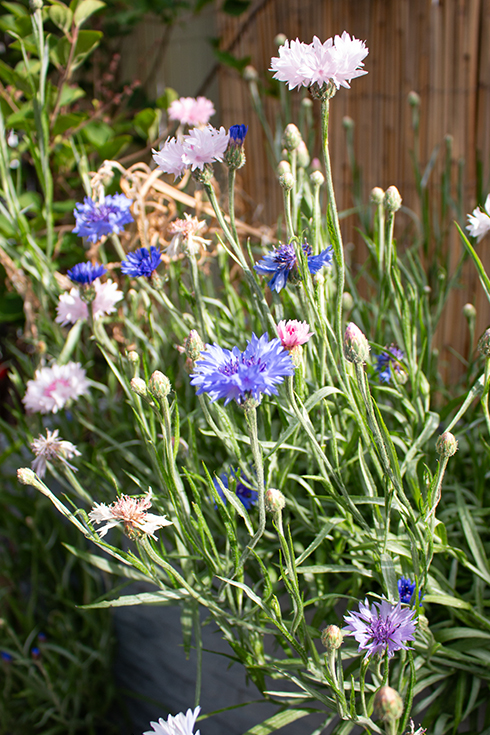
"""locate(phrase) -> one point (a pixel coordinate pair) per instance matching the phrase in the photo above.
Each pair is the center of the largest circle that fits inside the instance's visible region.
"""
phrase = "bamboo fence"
(437, 48)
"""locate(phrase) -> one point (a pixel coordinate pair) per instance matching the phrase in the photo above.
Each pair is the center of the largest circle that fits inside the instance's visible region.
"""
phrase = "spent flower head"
(191, 110)
(185, 236)
(281, 262)
(49, 448)
(382, 627)
(181, 724)
(54, 386)
(106, 217)
(142, 262)
(132, 513)
(236, 375)
(479, 221)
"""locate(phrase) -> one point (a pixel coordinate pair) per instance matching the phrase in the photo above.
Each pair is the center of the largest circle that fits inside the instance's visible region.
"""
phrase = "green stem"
(486, 390)
(231, 201)
(251, 416)
(288, 214)
(198, 295)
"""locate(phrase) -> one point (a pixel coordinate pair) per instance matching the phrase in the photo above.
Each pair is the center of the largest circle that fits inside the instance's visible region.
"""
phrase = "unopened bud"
(447, 444)
(26, 476)
(283, 167)
(484, 343)
(159, 384)
(193, 345)
(392, 199)
(291, 137)
(36, 4)
(347, 123)
(413, 99)
(307, 103)
(332, 637)
(469, 311)
(138, 386)
(377, 195)
(388, 705)
(250, 73)
(280, 39)
(133, 357)
(274, 500)
(302, 155)
(347, 301)
(356, 347)
(317, 178)
(286, 181)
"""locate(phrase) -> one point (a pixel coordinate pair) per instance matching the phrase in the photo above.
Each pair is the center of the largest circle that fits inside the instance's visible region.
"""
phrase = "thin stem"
(198, 295)
(288, 214)
(231, 201)
(251, 416)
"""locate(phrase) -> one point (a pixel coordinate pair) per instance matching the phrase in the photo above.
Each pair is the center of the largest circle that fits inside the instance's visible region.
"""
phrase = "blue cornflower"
(383, 627)
(107, 217)
(388, 361)
(7, 657)
(237, 134)
(243, 492)
(281, 261)
(232, 374)
(406, 590)
(85, 273)
(142, 262)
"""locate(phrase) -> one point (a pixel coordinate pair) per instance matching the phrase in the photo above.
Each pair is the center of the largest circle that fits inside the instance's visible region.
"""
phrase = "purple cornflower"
(85, 273)
(243, 492)
(381, 627)
(107, 217)
(281, 261)
(232, 374)
(388, 361)
(142, 262)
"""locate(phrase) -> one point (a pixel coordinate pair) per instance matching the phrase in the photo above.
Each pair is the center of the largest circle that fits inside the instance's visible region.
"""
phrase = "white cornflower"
(204, 146)
(50, 447)
(191, 111)
(179, 725)
(336, 61)
(479, 222)
(185, 238)
(169, 158)
(131, 511)
(71, 308)
(54, 386)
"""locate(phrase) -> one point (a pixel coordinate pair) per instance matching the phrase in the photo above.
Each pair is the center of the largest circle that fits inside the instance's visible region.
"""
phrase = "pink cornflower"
(191, 111)
(185, 237)
(169, 158)
(71, 307)
(131, 511)
(293, 333)
(54, 386)
(50, 447)
(479, 222)
(204, 146)
(335, 62)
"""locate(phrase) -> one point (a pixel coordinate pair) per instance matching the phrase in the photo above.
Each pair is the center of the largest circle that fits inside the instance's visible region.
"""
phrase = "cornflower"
(381, 628)
(479, 222)
(293, 333)
(85, 273)
(185, 238)
(244, 493)
(71, 307)
(179, 725)
(50, 447)
(54, 386)
(281, 262)
(132, 513)
(388, 361)
(191, 111)
(195, 150)
(406, 590)
(142, 262)
(97, 218)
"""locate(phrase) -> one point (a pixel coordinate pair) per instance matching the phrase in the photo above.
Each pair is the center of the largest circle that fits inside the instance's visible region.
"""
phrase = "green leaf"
(87, 41)
(165, 100)
(69, 94)
(485, 281)
(279, 720)
(473, 538)
(65, 122)
(97, 132)
(449, 600)
(113, 148)
(389, 577)
(105, 565)
(163, 597)
(450, 634)
(16, 9)
(61, 16)
(85, 9)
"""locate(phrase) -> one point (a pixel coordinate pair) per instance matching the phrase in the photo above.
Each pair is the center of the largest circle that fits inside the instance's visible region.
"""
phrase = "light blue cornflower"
(281, 261)
(383, 627)
(107, 217)
(142, 262)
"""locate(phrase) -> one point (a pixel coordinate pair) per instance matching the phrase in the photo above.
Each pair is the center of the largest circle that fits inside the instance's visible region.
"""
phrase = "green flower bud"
(347, 123)
(291, 137)
(317, 178)
(280, 39)
(347, 301)
(306, 103)
(283, 167)
(392, 199)
(133, 357)
(413, 99)
(332, 637)
(356, 347)
(159, 384)
(469, 311)
(26, 476)
(138, 386)
(193, 345)
(303, 157)
(447, 444)
(274, 500)
(377, 195)
(388, 705)
(286, 181)
(484, 343)
(250, 73)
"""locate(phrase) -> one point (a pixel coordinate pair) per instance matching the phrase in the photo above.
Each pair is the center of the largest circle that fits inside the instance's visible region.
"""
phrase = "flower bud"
(138, 386)
(484, 343)
(392, 199)
(306, 103)
(413, 99)
(274, 500)
(377, 195)
(280, 39)
(36, 4)
(250, 73)
(193, 345)
(235, 155)
(291, 137)
(159, 384)
(356, 347)
(447, 444)
(283, 167)
(303, 157)
(388, 705)
(317, 178)
(133, 357)
(469, 311)
(26, 476)
(347, 123)
(347, 301)
(332, 637)
(286, 181)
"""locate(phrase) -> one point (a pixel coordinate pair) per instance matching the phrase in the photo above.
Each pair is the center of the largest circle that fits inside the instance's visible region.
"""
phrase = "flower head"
(204, 146)
(293, 333)
(237, 134)
(388, 361)
(331, 64)
(71, 307)
(281, 261)
(235, 154)
(406, 590)
(142, 262)
(479, 222)
(191, 111)
(232, 374)
(50, 447)
(179, 725)
(185, 238)
(381, 627)
(130, 511)
(95, 219)
(85, 273)
(245, 493)
(169, 157)
(54, 386)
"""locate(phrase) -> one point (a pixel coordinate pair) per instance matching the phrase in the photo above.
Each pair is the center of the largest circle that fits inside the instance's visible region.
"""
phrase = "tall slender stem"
(251, 416)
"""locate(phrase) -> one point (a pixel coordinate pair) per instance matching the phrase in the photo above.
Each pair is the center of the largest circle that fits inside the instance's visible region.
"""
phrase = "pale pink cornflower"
(479, 222)
(131, 512)
(71, 307)
(50, 447)
(204, 146)
(191, 111)
(54, 386)
(169, 158)
(185, 238)
(179, 725)
(334, 62)
(293, 333)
